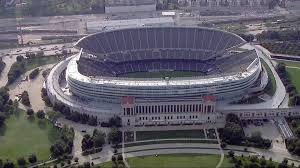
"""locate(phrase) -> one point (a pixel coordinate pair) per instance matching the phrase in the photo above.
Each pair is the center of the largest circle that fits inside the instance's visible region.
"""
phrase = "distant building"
(96, 26)
(221, 3)
(119, 6)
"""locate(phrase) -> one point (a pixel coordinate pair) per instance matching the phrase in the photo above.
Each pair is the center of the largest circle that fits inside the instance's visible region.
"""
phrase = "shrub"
(40, 114)
(30, 112)
(120, 157)
(21, 161)
(32, 158)
(25, 98)
(113, 158)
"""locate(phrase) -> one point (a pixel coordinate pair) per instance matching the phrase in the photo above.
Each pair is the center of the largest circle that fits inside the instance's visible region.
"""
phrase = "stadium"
(156, 64)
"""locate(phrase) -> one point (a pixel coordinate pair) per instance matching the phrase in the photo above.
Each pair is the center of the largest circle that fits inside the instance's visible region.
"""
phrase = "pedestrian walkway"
(221, 150)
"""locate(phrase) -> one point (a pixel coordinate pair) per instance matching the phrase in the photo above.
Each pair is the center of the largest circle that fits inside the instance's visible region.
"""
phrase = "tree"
(263, 162)
(32, 158)
(8, 164)
(120, 157)
(297, 132)
(40, 114)
(20, 58)
(294, 123)
(281, 67)
(231, 153)
(98, 138)
(115, 136)
(25, 98)
(115, 121)
(233, 133)
(92, 121)
(2, 119)
(21, 162)
(283, 164)
(86, 165)
(87, 142)
(53, 116)
(113, 158)
(30, 112)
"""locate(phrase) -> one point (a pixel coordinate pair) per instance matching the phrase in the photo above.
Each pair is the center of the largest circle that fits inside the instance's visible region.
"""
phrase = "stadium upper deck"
(158, 43)
(104, 56)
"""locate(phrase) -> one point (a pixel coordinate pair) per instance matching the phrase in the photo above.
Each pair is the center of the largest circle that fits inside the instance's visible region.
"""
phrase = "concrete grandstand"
(90, 82)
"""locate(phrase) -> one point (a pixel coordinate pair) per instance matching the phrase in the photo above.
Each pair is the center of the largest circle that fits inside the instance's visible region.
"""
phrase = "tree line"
(294, 97)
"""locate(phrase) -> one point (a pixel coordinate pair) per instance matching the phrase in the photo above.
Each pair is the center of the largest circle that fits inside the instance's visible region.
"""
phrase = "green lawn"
(161, 74)
(21, 137)
(290, 63)
(293, 73)
(148, 135)
(270, 89)
(175, 161)
(39, 61)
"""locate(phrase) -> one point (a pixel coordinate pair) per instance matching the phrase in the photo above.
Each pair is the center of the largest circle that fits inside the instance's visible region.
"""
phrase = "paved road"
(48, 49)
(221, 150)
(8, 61)
(33, 87)
(276, 155)
(277, 100)
(280, 93)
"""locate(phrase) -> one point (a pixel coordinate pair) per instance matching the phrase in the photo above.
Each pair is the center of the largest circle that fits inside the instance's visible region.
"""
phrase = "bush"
(86, 165)
(40, 114)
(25, 98)
(8, 164)
(21, 161)
(30, 112)
(120, 157)
(294, 124)
(92, 121)
(64, 144)
(113, 158)
(45, 97)
(32, 158)
(115, 136)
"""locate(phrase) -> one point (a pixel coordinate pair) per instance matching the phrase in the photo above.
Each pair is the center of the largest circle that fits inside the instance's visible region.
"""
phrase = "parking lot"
(268, 130)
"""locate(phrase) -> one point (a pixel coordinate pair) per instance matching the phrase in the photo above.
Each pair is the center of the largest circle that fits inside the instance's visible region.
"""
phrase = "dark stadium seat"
(154, 48)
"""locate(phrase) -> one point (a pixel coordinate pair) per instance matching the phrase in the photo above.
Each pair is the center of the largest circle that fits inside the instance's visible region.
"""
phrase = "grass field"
(175, 161)
(21, 137)
(293, 73)
(290, 63)
(148, 135)
(270, 89)
(39, 61)
(161, 74)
